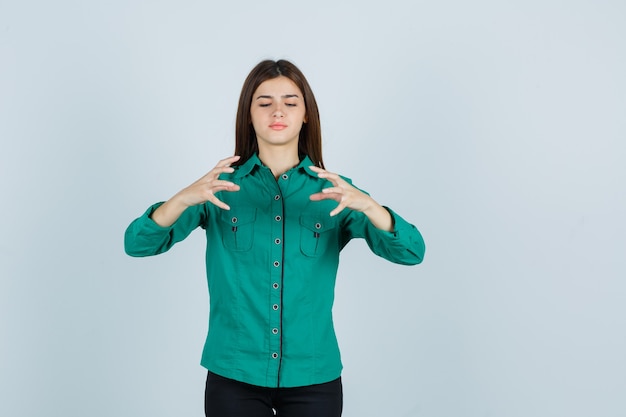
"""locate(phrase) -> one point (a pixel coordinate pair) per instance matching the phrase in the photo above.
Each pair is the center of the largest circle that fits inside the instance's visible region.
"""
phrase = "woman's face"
(277, 113)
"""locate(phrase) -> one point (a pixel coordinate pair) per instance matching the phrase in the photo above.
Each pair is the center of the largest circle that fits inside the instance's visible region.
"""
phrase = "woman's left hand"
(344, 193)
(348, 196)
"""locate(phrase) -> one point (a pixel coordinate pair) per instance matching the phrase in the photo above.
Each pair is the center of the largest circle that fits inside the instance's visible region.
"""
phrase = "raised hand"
(204, 189)
(200, 192)
(351, 198)
(344, 193)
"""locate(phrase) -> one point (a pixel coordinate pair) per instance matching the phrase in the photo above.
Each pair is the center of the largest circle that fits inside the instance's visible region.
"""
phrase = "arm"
(165, 224)
(387, 234)
(351, 197)
(144, 237)
(199, 192)
(403, 245)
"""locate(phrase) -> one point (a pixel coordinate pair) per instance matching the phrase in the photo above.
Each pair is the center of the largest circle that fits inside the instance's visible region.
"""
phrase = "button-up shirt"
(271, 263)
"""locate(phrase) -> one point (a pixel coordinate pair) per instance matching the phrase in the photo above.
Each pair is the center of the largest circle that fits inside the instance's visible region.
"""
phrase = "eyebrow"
(285, 96)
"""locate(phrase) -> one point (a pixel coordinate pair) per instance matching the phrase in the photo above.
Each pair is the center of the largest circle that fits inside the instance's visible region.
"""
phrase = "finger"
(337, 209)
(215, 172)
(333, 190)
(323, 196)
(335, 179)
(227, 161)
(225, 168)
(219, 203)
(318, 197)
(327, 176)
(321, 172)
(223, 189)
(223, 185)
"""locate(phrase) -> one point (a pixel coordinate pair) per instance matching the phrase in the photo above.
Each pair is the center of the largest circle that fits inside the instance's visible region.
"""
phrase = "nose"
(278, 112)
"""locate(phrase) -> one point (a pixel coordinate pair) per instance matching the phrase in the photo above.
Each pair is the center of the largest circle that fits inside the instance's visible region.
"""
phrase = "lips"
(278, 126)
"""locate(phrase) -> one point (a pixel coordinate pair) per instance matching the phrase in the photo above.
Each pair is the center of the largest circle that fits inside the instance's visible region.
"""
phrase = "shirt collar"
(254, 161)
(306, 163)
(247, 166)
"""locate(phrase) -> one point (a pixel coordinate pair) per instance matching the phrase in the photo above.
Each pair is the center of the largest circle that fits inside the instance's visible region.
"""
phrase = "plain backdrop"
(497, 127)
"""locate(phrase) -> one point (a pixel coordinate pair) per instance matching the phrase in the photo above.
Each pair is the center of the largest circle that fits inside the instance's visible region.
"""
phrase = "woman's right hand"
(200, 192)
(205, 188)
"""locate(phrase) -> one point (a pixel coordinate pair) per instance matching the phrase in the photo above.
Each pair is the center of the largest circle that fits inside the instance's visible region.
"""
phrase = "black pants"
(228, 398)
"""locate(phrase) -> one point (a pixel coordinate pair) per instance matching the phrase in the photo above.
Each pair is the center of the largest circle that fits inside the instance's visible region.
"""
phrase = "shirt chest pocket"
(238, 229)
(317, 234)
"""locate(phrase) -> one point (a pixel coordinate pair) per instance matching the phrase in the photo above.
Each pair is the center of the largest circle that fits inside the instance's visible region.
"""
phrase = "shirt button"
(318, 226)
(277, 218)
(277, 241)
(234, 220)
(277, 197)
(275, 330)
(275, 307)
(275, 285)
(285, 176)
(276, 264)
(275, 355)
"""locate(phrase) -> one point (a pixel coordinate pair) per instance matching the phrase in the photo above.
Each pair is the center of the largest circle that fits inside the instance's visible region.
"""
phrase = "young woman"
(275, 222)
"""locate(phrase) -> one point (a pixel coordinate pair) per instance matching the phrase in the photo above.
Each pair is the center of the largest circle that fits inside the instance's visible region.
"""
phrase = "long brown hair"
(310, 139)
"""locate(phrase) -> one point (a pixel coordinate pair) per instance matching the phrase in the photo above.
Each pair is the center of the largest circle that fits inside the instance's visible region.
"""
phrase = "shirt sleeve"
(404, 245)
(144, 237)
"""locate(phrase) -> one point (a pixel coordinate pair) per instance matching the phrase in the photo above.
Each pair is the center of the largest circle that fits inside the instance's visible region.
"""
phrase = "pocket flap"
(317, 223)
(238, 217)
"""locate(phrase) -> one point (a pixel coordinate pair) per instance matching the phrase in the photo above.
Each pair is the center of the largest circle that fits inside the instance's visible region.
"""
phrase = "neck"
(279, 160)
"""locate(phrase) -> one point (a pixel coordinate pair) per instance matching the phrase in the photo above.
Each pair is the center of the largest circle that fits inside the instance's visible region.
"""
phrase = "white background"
(497, 127)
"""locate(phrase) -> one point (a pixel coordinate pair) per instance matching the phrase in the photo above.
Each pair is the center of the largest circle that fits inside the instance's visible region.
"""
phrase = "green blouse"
(271, 265)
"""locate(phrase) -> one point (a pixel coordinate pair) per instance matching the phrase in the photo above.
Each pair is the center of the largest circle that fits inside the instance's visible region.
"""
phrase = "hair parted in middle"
(310, 139)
